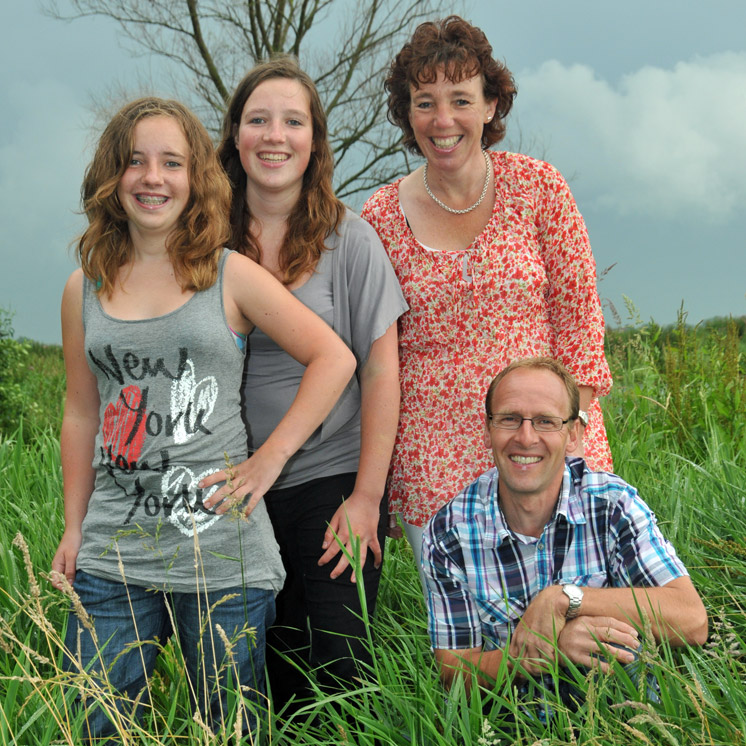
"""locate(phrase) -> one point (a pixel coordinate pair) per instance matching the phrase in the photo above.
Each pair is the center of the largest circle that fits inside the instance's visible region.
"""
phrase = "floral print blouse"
(525, 286)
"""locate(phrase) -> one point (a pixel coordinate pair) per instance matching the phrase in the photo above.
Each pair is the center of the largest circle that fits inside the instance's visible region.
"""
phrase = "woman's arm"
(573, 303)
(359, 515)
(79, 427)
(255, 298)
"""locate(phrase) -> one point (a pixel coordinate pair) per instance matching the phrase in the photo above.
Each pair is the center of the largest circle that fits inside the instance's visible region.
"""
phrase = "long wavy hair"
(461, 51)
(317, 212)
(202, 229)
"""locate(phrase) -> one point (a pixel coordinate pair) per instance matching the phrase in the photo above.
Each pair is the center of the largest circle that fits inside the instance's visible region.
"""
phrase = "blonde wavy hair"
(202, 229)
(317, 212)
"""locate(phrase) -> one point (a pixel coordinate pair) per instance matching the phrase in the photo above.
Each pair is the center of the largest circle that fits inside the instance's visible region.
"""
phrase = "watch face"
(575, 595)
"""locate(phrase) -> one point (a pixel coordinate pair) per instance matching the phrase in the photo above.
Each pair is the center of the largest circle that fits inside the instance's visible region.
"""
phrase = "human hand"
(356, 519)
(585, 640)
(64, 560)
(251, 478)
(533, 642)
(394, 529)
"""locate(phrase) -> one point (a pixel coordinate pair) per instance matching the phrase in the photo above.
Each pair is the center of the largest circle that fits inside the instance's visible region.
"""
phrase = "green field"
(677, 424)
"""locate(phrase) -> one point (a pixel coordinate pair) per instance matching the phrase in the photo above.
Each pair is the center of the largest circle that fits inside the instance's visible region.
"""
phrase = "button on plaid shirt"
(601, 534)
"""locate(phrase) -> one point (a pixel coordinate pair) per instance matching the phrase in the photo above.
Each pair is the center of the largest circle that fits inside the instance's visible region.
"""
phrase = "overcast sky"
(642, 105)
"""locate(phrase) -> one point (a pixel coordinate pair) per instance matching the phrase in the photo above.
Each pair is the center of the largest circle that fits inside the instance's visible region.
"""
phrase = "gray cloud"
(667, 143)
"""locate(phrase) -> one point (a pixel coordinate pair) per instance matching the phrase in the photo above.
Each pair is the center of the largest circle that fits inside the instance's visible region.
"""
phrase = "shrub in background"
(32, 383)
(680, 383)
(13, 358)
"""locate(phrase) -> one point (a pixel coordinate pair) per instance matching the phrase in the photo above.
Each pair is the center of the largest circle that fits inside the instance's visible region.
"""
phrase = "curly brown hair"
(202, 230)
(317, 212)
(461, 51)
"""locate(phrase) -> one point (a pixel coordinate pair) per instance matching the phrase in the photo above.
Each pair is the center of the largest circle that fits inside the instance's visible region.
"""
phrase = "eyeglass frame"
(530, 419)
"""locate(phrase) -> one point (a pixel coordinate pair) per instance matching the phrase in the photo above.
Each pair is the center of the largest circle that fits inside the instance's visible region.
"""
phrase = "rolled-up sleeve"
(641, 556)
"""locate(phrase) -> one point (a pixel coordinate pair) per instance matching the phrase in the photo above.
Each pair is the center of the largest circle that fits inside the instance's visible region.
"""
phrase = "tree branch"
(208, 45)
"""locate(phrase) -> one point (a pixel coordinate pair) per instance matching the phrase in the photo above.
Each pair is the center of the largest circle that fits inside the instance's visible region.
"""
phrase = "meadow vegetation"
(677, 425)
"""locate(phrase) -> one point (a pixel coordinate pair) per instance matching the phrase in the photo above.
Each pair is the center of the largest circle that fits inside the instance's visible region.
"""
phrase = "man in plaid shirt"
(542, 559)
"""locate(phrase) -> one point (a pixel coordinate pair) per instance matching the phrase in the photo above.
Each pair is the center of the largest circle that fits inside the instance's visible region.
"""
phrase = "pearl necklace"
(467, 209)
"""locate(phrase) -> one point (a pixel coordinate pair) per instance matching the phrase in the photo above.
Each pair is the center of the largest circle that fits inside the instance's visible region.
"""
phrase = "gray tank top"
(170, 414)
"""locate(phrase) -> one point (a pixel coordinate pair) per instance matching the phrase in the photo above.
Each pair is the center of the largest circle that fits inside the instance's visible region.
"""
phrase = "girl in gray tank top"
(165, 530)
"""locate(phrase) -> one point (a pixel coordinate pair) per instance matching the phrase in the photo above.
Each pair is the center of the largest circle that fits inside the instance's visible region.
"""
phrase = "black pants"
(317, 619)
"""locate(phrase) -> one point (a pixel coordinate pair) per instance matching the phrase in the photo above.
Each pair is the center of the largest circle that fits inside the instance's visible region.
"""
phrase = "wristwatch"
(575, 594)
(583, 417)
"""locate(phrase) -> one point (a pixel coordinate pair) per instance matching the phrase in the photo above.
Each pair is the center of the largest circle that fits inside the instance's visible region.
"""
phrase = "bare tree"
(345, 45)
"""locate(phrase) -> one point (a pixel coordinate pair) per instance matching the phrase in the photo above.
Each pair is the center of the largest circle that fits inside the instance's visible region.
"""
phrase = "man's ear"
(575, 436)
(486, 434)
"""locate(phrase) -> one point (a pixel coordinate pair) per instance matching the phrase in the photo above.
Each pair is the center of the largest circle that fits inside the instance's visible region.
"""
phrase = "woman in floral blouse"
(494, 260)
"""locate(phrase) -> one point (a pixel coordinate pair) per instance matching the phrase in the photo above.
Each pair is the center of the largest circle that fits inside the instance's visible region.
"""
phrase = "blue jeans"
(129, 619)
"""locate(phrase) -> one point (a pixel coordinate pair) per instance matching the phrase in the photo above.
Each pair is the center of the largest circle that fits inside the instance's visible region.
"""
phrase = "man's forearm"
(468, 663)
(675, 610)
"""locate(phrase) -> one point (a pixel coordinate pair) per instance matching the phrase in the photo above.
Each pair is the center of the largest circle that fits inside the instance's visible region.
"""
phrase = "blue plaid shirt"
(601, 535)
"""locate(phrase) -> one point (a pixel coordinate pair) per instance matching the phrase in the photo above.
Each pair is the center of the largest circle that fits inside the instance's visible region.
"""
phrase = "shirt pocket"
(592, 580)
(501, 612)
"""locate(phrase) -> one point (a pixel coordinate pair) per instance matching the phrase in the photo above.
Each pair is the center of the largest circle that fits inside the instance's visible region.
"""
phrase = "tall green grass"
(676, 424)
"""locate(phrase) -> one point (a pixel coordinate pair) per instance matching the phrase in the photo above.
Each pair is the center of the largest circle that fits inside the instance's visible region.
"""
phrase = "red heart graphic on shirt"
(123, 435)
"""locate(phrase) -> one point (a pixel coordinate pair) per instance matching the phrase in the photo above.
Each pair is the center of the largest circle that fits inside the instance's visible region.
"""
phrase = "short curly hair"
(461, 51)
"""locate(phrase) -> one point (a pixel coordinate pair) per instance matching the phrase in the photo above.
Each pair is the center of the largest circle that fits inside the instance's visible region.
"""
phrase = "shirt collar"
(500, 530)
(570, 505)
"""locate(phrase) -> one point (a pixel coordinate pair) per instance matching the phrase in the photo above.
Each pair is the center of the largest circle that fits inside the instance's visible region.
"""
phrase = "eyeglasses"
(542, 423)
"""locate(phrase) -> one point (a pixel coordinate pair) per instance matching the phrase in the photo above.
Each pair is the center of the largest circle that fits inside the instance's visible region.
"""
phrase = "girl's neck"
(271, 207)
(147, 247)
(270, 212)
